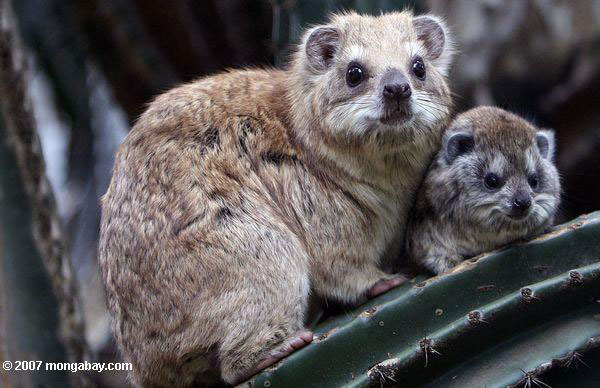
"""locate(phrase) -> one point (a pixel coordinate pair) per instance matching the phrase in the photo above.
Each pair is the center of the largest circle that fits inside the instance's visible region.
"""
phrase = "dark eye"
(354, 75)
(418, 68)
(534, 180)
(492, 181)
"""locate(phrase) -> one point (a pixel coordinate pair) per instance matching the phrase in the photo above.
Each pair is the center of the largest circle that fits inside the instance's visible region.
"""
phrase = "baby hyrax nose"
(395, 86)
(521, 204)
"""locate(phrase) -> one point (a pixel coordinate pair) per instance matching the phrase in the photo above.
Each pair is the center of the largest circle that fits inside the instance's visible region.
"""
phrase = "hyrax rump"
(235, 196)
(493, 182)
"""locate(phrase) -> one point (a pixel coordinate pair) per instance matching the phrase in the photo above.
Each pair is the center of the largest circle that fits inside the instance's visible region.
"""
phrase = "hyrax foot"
(384, 285)
(297, 341)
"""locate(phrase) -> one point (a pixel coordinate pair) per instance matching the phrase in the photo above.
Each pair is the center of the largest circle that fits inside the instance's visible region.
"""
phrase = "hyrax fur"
(237, 195)
(493, 182)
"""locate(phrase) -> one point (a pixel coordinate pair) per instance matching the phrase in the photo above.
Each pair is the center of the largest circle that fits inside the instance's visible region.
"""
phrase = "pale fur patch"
(531, 159)
(498, 164)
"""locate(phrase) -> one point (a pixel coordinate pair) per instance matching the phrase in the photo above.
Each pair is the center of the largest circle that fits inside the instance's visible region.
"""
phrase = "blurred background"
(91, 66)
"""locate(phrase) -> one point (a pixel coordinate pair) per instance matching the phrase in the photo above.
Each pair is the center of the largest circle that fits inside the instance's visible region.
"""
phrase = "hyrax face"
(501, 169)
(378, 80)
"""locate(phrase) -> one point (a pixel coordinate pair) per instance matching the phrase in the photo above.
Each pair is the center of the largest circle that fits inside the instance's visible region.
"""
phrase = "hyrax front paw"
(297, 341)
(443, 263)
(384, 285)
(454, 260)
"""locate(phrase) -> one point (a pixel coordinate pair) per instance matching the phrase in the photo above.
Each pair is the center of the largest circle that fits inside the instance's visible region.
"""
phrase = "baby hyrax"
(236, 196)
(492, 182)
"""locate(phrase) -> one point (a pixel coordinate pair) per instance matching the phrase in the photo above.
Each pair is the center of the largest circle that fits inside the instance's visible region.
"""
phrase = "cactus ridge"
(551, 293)
(522, 360)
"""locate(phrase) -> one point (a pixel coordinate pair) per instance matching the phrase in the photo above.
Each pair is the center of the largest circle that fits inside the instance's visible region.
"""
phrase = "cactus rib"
(529, 355)
(545, 294)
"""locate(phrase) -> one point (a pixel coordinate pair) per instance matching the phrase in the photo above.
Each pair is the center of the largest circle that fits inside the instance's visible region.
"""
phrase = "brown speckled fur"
(235, 195)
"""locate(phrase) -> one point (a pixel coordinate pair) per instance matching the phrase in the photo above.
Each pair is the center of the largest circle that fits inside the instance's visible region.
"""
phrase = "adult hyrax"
(493, 182)
(237, 195)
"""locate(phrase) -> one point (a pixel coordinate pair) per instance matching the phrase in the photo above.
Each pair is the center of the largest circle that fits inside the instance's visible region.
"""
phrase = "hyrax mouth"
(518, 217)
(525, 219)
(396, 117)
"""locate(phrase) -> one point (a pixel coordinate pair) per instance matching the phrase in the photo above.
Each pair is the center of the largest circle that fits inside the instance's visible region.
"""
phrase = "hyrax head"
(500, 169)
(377, 80)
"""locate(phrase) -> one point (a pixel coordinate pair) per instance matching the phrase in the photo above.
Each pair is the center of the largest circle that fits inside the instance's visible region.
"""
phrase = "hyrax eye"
(354, 75)
(492, 181)
(534, 180)
(418, 68)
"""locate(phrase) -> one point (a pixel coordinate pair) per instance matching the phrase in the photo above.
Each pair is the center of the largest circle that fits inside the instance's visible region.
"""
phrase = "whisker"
(431, 103)
(428, 105)
(358, 103)
(421, 98)
(434, 114)
(439, 108)
(453, 94)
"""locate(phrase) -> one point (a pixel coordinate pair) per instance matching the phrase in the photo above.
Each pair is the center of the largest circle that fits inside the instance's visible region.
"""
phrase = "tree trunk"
(29, 221)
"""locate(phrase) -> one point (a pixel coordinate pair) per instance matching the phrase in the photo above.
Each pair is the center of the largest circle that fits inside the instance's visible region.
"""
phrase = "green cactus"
(498, 319)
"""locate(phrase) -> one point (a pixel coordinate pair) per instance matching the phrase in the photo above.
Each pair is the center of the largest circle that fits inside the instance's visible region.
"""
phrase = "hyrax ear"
(456, 144)
(545, 143)
(433, 32)
(321, 46)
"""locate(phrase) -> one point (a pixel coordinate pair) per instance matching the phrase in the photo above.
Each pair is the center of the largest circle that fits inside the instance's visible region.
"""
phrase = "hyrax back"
(493, 182)
(235, 195)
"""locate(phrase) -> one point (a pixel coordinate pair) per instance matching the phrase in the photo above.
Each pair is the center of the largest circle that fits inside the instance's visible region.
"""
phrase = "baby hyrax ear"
(321, 46)
(545, 142)
(432, 31)
(456, 144)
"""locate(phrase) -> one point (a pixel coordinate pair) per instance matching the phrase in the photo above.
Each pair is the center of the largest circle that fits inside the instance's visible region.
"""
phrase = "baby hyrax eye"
(418, 68)
(354, 75)
(534, 180)
(492, 181)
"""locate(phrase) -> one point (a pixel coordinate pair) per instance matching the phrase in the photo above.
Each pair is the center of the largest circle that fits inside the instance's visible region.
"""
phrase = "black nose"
(521, 203)
(397, 91)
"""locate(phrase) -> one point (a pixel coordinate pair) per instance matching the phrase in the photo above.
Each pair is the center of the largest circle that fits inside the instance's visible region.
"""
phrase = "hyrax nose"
(396, 87)
(397, 91)
(521, 203)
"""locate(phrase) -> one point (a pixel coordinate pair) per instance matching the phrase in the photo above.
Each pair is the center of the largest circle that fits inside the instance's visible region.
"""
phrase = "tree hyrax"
(237, 195)
(492, 182)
